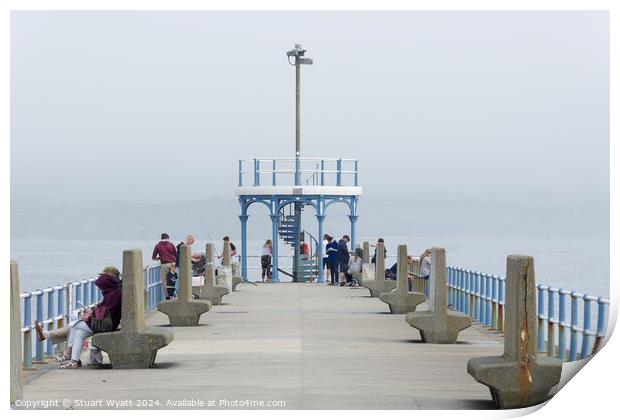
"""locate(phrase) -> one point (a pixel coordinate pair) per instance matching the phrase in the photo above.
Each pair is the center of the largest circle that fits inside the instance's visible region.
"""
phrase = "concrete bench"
(379, 284)
(401, 300)
(210, 290)
(184, 311)
(438, 325)
(520, 377)
(135, 345)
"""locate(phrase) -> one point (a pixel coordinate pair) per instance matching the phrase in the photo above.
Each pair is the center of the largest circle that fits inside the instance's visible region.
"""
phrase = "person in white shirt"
(325, 258)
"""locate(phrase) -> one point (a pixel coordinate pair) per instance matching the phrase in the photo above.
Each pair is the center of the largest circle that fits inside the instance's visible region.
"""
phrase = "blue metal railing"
(481, 296)
(299, 171)
(57, 303)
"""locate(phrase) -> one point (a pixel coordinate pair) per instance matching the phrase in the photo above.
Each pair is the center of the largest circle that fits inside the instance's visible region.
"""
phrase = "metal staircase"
(307, 266)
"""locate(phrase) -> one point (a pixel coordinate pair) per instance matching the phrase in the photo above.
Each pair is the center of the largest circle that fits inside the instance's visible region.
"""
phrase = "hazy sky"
(503, 109)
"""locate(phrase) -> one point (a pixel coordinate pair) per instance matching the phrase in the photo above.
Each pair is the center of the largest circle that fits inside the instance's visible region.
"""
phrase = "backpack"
(101, 320)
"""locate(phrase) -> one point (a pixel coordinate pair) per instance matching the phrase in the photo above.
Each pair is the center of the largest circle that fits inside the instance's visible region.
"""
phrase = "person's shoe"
(341, 284)
(70, 364)
(39, 330)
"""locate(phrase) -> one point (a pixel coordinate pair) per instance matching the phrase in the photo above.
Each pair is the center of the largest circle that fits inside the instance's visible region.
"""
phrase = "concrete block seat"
(133, 349)
(135, 346)
(368, 272)
(236, 275)
(210, 290)
(438, 328)
(379, 284)
(438, 325)
(513, 384)
(401, 300)
(184, 314)
(520, 377)
(184, 311)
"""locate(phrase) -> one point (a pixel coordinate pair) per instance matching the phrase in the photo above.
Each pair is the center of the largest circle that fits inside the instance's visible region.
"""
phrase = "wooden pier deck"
(311, 346)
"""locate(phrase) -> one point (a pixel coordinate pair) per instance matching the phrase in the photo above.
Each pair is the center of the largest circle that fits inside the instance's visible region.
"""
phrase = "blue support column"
(321, 219)
(244, 247)
(275, 219)
(353, 220)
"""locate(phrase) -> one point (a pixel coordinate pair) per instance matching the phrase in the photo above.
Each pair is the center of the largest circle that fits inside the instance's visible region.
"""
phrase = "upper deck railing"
(299, 172)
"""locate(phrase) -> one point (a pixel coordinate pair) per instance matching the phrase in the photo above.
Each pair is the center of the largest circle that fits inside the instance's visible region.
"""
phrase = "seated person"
(199, 265)
(76, 331)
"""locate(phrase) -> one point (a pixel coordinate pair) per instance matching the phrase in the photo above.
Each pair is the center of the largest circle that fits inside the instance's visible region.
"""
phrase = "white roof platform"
(283, 190)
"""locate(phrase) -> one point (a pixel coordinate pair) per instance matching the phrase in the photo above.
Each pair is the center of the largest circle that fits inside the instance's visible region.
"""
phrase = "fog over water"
(467, 124)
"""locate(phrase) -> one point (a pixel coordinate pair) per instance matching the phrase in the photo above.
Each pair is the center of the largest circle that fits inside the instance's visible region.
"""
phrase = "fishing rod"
(204, 226)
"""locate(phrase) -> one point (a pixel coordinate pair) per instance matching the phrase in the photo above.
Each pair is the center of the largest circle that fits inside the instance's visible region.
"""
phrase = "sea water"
(574, 263)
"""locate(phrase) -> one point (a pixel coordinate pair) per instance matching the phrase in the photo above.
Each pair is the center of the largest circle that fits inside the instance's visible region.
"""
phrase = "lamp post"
(297, 55)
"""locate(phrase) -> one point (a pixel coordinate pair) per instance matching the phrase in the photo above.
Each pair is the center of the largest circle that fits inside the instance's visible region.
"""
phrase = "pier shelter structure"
(286, 187)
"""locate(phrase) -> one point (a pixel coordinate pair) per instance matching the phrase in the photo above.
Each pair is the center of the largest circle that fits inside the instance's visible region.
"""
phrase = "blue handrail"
(481, 296)
(488, 293)
(315, 175)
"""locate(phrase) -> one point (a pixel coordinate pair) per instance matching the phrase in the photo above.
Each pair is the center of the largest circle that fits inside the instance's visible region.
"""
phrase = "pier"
(311, 346)
(303, 345)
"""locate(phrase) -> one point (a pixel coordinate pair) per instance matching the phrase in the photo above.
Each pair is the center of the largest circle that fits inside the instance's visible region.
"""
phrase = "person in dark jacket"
(343, 259)
(189, 241)
(331, 250)
(77, 331)
(374, 257)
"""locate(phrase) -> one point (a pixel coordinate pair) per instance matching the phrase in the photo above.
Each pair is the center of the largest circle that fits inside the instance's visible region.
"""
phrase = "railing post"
(551, 320)
(356, 173)
(28, 333)
(462, 292)
(600, 324)
(273, 172)
(449, 271)
(256, 172)
(322, 174)
(240, 173)
(61, 312)
(297, 170)
(477, 281)
(587, 324)
(49, 351)
(147, 288)
(472, 294)
(39, 315)
(562, 323)
(574, 320)
(540, 312)
(500, 304)
(483, 296)
(494, 301)
(339, 172)
(489, 300)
